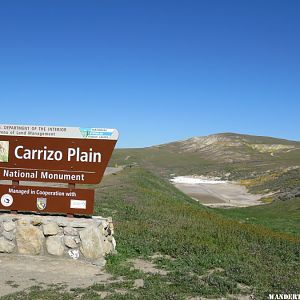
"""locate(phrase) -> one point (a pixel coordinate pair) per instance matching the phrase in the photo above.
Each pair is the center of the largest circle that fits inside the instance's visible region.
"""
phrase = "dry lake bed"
(215, 193)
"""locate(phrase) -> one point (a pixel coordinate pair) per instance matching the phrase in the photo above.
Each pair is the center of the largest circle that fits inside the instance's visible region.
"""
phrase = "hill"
(231, 147)
(176, 249)
(171, 247)
(202, 252)
(263, 164)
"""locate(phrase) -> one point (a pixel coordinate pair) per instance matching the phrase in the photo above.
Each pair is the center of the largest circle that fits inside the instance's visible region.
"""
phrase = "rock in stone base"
(9, 226)
(112, 240)
(29, 239)
(91, 243)
(55, 245)
(70, 242)
(50, 229)
(107, 247)
(36, 221)
(70, 231)
(9, 235)
(6, 246)
(82, 238)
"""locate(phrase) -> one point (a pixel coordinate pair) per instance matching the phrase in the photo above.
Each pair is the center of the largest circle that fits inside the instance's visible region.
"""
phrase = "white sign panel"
(78, 204)
(59, 132)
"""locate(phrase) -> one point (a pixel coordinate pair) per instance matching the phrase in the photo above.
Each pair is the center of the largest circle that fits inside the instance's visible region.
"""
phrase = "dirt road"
(19, 272)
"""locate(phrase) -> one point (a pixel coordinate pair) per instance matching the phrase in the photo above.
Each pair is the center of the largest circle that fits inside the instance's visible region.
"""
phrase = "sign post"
(68, 155)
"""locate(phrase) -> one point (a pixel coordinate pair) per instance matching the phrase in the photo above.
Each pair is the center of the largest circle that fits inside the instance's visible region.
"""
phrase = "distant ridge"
(264, 164)
(232, 147)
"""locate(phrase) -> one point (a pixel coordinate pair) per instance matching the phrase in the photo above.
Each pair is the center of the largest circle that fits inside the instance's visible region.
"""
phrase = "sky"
(157, 70)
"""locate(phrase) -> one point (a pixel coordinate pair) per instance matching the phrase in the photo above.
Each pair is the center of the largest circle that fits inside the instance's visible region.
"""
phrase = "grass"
(213, 254)
(282, 216)
(38, 293)
(151, 216)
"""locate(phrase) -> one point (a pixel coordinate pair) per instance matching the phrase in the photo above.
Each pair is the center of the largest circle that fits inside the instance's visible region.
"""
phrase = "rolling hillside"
(231, 147)
(194, 252)
(263, 164)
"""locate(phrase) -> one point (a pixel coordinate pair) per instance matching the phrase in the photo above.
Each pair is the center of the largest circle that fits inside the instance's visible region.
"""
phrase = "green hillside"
(230, 155)
(213, 256)
(272, 164)
(197, 251)
(282, 216)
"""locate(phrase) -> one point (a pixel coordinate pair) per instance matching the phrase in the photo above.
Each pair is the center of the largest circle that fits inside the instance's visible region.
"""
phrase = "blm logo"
(41, 203)
(4, 151)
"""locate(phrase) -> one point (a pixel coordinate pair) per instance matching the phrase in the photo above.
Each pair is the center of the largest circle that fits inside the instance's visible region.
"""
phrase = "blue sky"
(157, 71)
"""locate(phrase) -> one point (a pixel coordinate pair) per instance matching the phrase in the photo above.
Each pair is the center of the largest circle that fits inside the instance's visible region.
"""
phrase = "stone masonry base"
(76, 238)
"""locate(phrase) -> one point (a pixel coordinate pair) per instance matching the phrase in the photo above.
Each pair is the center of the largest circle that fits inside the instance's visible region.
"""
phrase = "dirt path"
(216, 193)
(113, 170)
(20, 272)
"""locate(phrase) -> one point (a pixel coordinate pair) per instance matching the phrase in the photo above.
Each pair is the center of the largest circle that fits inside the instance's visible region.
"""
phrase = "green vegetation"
(204, 253)
(216, 154)
(283, 216)
(284, 184)
(270, 163)
(153, 217)
(38, 293)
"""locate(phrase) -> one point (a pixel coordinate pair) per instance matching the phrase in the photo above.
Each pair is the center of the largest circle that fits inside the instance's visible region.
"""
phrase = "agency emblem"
(7, 200)
(41, 203)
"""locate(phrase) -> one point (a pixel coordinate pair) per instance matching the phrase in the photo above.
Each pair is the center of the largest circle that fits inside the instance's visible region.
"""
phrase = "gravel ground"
(19, 272)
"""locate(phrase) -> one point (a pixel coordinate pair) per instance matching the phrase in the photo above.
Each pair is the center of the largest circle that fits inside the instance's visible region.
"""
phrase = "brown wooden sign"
(56, 158)
(53, 154)
(47, 199)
